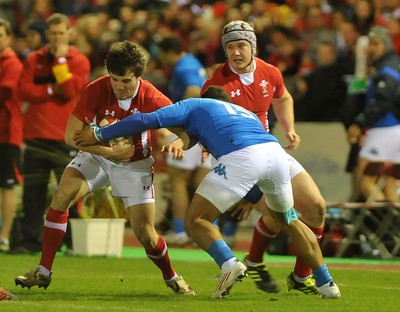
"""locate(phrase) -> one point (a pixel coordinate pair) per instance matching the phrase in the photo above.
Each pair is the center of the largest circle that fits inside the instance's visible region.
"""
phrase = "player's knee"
(147, 240)
(189, 225)
(320, 208)
(63, 198)
(313, 211)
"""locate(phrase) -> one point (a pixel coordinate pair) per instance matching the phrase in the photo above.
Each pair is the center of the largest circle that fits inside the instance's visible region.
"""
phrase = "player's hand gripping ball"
(123, 141)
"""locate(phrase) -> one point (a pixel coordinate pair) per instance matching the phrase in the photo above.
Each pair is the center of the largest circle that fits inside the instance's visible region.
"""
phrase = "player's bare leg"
(198, 224)
(308, 248)
(72, 187)
(142, 222)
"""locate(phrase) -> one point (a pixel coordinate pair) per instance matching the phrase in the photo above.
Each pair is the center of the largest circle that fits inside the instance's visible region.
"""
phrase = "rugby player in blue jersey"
(247, 156)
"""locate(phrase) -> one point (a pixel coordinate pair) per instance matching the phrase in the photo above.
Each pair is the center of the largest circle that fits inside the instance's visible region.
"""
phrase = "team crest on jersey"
(135, 111)
(109, 113)
(220, 170)
(235, 93)
(264, 85)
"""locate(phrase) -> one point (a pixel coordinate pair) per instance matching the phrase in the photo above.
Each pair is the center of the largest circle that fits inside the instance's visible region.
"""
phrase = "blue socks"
(178, 225)
(322, 276)
(220, 252)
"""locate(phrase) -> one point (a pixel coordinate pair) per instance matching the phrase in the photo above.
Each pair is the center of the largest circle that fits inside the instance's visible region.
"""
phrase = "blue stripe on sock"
(322, 276)
(220, 252)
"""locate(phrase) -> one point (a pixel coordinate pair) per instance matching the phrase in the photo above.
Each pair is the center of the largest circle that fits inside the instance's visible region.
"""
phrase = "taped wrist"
(61, 70)
(97, 133)
(254, 195)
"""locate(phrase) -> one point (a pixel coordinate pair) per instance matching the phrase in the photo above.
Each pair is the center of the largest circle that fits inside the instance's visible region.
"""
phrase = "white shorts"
(191, 159)
(132, 181)
(294, 167)
(382, 144)
(234, 174)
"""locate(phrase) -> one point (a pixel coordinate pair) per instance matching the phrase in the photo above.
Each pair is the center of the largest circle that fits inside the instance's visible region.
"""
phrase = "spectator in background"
(380, 118)
(393, 26)
(286, 55)
(10, 132)
(35, 37)
(51, 82)
(317, 27)
(353, 105)
(363, 16)
(323, 91)
(186, 79)
(346, 49)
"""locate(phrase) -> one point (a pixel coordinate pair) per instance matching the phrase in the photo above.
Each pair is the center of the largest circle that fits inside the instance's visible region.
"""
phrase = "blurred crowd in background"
(308, 40)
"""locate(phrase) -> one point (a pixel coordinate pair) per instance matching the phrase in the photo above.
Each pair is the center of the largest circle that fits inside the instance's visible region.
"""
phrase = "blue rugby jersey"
(187, 72)
(221, 127)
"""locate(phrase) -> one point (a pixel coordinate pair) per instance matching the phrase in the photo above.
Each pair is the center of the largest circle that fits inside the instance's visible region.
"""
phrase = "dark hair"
(6, 24)
(171, 43)
(216, 92)
(38, 26)
(125, 56)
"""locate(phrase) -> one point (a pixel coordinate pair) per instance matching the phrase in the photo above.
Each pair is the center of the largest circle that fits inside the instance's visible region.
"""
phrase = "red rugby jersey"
(255, 95)
(98, 101)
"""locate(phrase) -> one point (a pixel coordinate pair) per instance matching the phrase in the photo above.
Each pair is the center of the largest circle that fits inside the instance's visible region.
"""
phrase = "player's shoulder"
(101, 81)
(263, 65)
(222, 69)
(99, 86)
(266, 69)
(217, 77)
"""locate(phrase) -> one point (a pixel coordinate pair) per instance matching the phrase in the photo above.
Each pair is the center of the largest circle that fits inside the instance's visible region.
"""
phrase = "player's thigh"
(201, 208)
(199, 175)
(142, 218)
(72, 187)
(306, 193)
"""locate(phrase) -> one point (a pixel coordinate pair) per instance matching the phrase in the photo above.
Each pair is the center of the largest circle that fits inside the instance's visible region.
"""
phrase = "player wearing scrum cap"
(256, 85)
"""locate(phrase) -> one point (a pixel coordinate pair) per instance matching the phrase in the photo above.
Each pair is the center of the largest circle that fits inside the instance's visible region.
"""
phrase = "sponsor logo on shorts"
(220, 170)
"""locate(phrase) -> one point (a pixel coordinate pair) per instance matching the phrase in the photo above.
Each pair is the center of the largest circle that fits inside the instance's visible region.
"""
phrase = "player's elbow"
(69, 140)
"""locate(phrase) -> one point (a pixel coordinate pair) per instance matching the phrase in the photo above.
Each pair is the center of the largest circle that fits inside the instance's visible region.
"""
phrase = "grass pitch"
(133, 283)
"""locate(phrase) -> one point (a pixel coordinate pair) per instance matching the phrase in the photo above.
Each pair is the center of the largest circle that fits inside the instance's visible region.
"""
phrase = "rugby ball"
(124, 141)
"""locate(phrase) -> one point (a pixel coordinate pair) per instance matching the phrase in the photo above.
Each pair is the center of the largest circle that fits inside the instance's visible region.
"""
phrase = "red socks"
(261, 238)
(160, 257)
(301, 269)
(55, 227)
